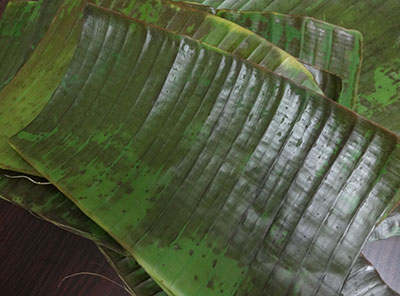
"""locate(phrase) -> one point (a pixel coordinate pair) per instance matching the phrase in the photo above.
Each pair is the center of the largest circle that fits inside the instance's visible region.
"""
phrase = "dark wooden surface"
(35, 256)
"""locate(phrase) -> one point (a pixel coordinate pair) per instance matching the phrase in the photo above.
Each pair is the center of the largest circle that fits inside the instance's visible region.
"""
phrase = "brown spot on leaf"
(210, 284)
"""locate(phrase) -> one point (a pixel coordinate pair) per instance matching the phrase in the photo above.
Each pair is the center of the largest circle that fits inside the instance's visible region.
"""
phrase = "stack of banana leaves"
(223, 147)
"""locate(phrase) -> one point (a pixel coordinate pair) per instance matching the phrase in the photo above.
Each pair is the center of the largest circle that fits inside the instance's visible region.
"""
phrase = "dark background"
(36, 256)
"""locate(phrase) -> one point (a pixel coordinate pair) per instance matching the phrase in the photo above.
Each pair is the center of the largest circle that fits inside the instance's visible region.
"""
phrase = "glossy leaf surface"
(42, 200)
(198, 6)
(328, 82)
(18, 18)
(389, 227)
(379, 88)
(318, 43)
(225, 180)
(363, 280)
(49, 204)
(21, 27)
(43, 71)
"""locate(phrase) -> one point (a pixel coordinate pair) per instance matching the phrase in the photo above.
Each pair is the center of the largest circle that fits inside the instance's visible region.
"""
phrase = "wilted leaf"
(245, 183)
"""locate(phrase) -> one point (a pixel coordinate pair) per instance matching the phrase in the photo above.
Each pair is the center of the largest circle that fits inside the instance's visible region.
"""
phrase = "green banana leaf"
(198, 6)
(21, 27)
(312, 41)
(378, 22)
(18, 18)
(364, 280)
(244, 184)
(39, 200)
(42, 73)
(46, 202)
(330, 84)
(132, 274)
(388, 228)
(36, 3)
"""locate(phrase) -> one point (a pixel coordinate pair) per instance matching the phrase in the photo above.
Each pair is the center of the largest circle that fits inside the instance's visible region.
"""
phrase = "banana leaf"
(379, 87)
(379, 91)
(330, 84)
(388, 228)
(10, 160)
(50, 205)
(22, 26)
(364, 280)
(35, 198)
(17, 19)
(46, 202)
(42, 73)
(132, 274)
(245, 184)
(198, 6)
(318, 43)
